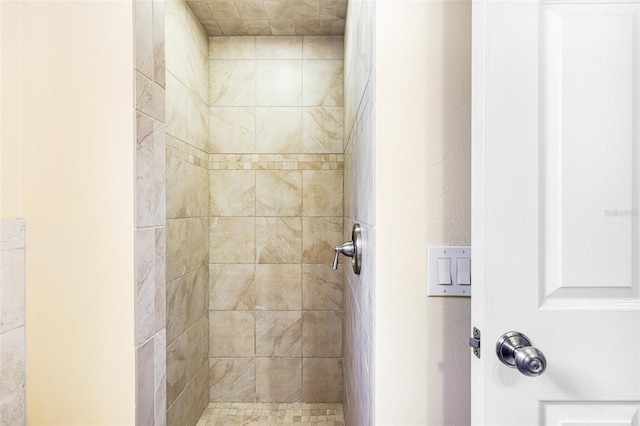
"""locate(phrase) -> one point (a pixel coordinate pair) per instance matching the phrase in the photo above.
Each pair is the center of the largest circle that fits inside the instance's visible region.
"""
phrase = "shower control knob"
(514, 350)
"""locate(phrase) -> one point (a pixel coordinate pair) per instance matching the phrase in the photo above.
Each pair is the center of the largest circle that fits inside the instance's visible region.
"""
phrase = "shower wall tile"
(322, 128)
(197, 396)
(232, 129)
(145, 298)
(320, 236)
(149, 97)
(176, 248)
(279, 47)
(278, 129)
(143, 12)
(278, 193)
(231, 334)
(150, 171)
(197, 121)
(321, 288)
(322, 379)
(176, 100)
(279, 82)
(232, 379)
(278, 287)
(198, 195)
(197, 243)
(177, 187)
(278, 240)
(160, 377)
(161, 281)
(278, 334)
(323, 47)
(197, 348)
(197, 285)
(145, 384)
(278, 379)
(232, 193)
(323, 82)
(232, 82)
(232, 287)
(176, 368)
(12, 285)
(159, 42)
(176, 308)
(322, 334)
(322, 192)
(232, 48)
(233, 240)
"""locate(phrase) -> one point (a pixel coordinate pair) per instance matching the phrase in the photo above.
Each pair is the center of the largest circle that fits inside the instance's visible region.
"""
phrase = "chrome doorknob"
(514, 350)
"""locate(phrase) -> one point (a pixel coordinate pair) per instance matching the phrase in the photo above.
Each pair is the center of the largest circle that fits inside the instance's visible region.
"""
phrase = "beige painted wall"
(423, 51)
(77, 127)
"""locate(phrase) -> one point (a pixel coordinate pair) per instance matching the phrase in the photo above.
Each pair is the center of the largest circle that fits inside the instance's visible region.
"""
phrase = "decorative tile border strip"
(187, 153)
(276, 161)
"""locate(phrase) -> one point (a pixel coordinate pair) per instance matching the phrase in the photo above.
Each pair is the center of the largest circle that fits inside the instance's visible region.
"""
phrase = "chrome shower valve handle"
(352, 249)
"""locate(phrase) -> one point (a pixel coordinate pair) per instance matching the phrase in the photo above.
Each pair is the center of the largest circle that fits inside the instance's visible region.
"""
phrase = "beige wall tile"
(197, 351)
(176, 248)
(143, 21)
(322, 129)
(322, 191)
(320, 237)
(232, 47)
(176, 107)
(176, 308)
(150, 172)
(232, 82)
(160, 376)
(278, 240)
(144, 384)
(279, 82)
(232, 193)
(176, 368)
(12, 391)
(232, 379)
(197, 243)
(278, 287)
(232, 130)
(12, 288)
(177, 188)
(197, 122)
(278, 334)
(278, 379)
(323, 82)
(232, 240)
(159, 42)
(197, 289)
(232, 287)
(323, 47)
(231, 333)
(279, 47)
(149, 97)
(321, 288)
(175, 412)
(198, 196)
(279, 193)
(322, 334)
(197, 396)
(279, 130)
(322, 379)
(161, 279)
(145, 253)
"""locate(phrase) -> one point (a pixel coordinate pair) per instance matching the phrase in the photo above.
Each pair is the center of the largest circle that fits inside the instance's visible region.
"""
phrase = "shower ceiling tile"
(270, 17)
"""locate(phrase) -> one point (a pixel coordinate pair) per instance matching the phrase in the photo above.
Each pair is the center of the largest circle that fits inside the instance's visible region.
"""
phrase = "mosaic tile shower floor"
(262, 414)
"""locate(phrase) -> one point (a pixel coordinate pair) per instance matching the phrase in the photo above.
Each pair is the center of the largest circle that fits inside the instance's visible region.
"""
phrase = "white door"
(556, 196)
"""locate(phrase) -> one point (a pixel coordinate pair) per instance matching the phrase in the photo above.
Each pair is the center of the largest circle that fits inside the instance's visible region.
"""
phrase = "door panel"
(556, 192)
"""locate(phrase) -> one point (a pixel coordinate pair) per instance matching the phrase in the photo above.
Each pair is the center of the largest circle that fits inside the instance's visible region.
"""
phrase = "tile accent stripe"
(276, 161)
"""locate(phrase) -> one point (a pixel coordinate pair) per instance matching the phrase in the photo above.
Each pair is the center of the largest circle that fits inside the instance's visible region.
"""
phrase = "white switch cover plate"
(459, 260)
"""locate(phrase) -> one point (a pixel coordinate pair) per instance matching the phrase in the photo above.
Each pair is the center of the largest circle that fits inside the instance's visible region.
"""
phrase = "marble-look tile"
(321, 334)
(12, 234)
(197, 243)
(232, 192)
(278, 240)
(176, 411)
(279, 193)
(278, 287)
(145, 395)
(159, 63)
(197, 122)
(322, 129)
(197, 288)
(232, 287)
(322, 379)
(143, 21)
(232, 130)
(177, 184)
(280, 27)
(145, 302)
(231, 333)
(255, 27)
(322, 191)
(232, 82)
(224, 10)
(279, 82)
(278, 379)
(332, 26)
(305, 9)
(321, 288)
(278, 334)
(12, 288)
(333, 9)
(232, 47)
(176, 308)
(307, 27)
(278, 10)
(320, 237)
(212, 28)
(279, 130)
(149, 97)
(197, 346)
(323, 81)
(279, 47)
(323, 47)
(160, 377)
(201, 10)
(232, 240)
(150, 172)
(197, 396)
(251, 9)
(232, 379)
(176, 248)
(176, 107)
(198, 195)
(176, 367)
(12, 386)
(160, 280)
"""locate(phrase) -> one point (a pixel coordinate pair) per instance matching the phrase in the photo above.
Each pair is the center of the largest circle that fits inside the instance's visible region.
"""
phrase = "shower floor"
(262, 414)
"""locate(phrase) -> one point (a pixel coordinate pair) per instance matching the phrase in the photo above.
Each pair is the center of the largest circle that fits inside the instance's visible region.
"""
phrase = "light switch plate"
(453, 253)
